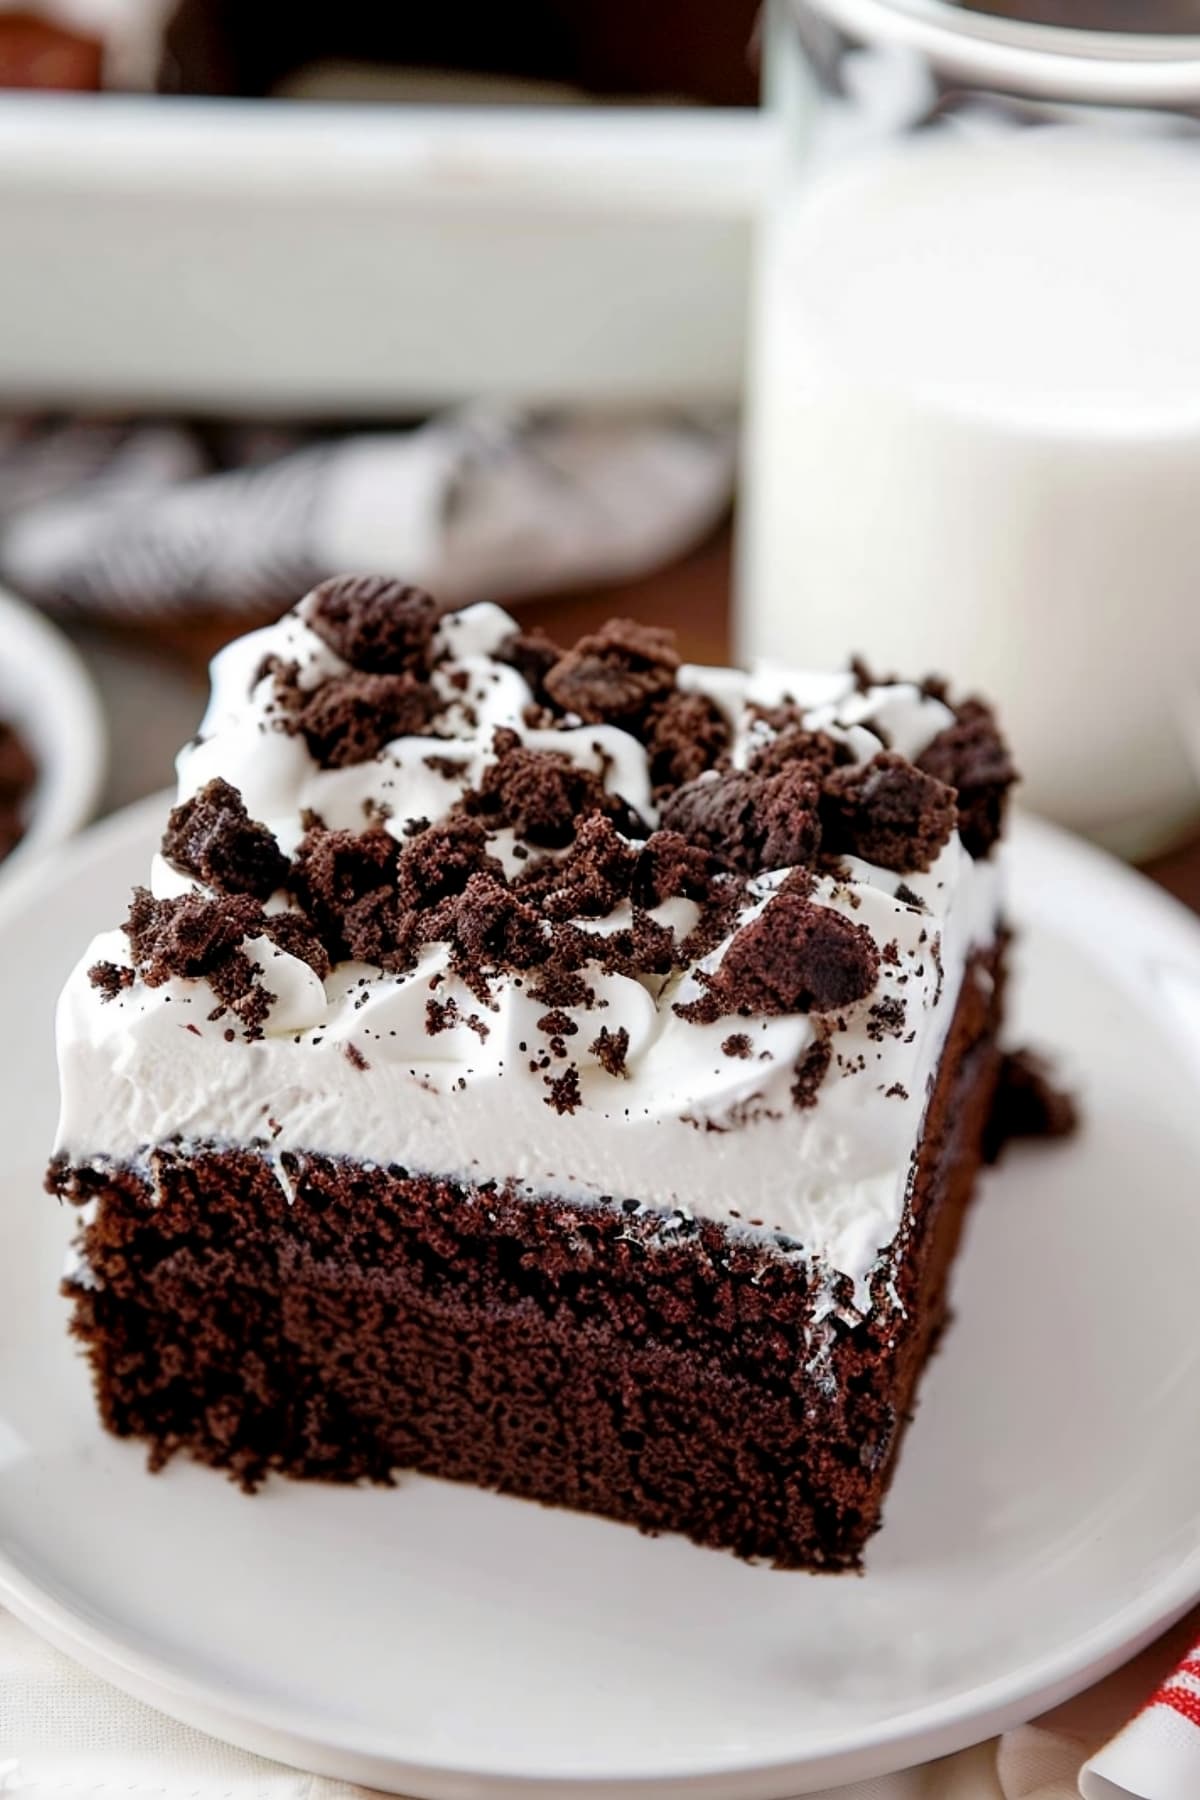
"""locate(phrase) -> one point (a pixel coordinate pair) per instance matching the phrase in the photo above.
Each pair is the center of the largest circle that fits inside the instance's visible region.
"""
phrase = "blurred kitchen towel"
(143, 520)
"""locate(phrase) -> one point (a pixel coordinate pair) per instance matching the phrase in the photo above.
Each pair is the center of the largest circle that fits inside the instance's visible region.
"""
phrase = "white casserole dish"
(361, 259)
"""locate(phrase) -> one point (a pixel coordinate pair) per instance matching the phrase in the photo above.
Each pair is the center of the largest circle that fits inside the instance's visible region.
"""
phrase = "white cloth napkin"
(65, 1732)
(486, 502)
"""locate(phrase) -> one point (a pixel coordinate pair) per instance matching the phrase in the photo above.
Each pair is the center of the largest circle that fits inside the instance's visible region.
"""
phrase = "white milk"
(974, 446)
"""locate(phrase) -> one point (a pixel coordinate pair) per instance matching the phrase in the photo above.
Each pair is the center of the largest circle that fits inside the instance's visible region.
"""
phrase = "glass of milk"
(973, 422)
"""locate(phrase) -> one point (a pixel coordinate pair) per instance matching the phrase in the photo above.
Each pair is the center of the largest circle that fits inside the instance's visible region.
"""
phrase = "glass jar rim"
(1046, 61)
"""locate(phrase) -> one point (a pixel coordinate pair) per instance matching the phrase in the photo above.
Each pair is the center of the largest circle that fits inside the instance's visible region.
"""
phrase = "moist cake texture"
(562, 1070)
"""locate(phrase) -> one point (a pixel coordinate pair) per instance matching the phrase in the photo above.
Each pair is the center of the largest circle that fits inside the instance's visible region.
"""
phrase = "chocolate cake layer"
(668, 1371)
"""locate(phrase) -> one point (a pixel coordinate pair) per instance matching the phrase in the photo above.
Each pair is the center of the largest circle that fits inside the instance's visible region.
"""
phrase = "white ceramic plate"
(45, 691)
(1044, 1522)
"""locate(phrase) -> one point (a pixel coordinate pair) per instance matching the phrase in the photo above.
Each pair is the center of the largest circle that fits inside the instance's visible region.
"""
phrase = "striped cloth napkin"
(64, 1732)
(1157, 1755)
(484, 502)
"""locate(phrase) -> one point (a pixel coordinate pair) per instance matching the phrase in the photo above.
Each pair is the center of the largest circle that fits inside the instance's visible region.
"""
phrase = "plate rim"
(933, 1729)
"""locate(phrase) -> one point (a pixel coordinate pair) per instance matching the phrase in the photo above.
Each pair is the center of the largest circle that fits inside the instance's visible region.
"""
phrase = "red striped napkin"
(1157, 1755)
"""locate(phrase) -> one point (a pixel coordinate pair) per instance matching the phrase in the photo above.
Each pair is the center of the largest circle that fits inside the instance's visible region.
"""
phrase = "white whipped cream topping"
(348, 1067)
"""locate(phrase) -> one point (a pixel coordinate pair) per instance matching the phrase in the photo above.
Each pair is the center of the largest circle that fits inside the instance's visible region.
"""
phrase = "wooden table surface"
(692, 596)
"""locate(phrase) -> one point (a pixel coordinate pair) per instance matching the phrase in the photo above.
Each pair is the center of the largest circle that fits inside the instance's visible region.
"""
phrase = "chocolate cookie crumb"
(794, 743)
(811, 1069)
(355, 1057)
(556, 985)
(738, 1045)
(652, 948)
(886, 1018)
(440, 860)
(450, 768)
(190, 937)
(347, 883)
(564, 1095)
(594, 876)
(795, 957)
(492, 928)
(349, 718)
(440, 1015)
(866, 678)
(541, 794)
(111, 978)
(532, 654)
(1028, 1103)
(972, 757)
(610, 1050)
(187, 936)
(670, 867)
(685, 735)
(888, 813)
(616, 674)
(378, 625)
(557, 1023)
(752, 823)
(297, 936)
(213, 838)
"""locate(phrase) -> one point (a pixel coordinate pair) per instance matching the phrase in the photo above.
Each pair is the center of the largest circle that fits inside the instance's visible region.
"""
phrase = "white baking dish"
(362, 259)
(46, 692)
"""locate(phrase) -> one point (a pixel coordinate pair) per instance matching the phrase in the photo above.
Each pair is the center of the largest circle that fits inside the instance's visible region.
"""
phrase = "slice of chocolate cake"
(563, 1071)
